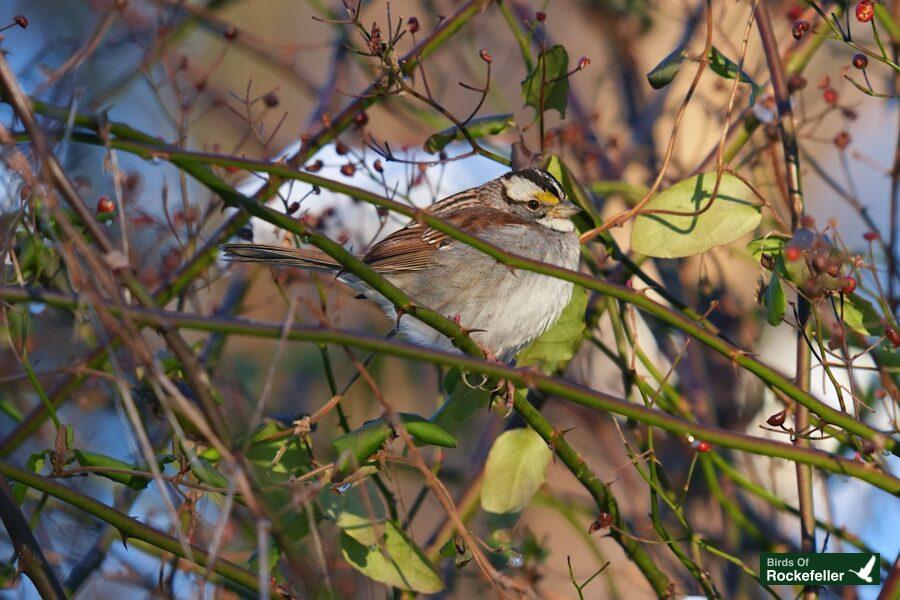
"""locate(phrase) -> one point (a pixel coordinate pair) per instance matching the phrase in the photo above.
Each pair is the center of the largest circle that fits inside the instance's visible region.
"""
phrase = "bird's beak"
(563, 210)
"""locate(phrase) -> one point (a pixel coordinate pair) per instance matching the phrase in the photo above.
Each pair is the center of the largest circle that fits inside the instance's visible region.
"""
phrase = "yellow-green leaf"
(477, 128)
(515, 470)
(732, 215)
(395, 560)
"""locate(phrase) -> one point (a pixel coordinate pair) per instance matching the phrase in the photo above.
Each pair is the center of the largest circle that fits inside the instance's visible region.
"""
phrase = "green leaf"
(732, 215)
(551, 74)
(359, 517)
(516, 468)
(352, 449)
(426, 432)
(859, 315)
(664, 73)
(93, 459)
(556, 346)
(394, 561)
(767, 244)
(774, 300)
(461, 403)
(206, 473)
(722, 66)
(477, 128)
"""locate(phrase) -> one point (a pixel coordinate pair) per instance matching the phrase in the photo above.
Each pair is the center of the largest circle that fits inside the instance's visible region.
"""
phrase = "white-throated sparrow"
(524, 212)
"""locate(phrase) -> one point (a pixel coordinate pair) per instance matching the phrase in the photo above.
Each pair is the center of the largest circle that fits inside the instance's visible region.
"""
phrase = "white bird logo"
(866, 572)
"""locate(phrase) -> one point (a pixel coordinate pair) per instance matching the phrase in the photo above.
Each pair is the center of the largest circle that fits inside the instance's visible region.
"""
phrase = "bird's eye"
(533, 204)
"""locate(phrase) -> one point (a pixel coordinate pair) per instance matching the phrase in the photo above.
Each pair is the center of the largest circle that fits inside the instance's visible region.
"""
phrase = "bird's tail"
(295, 257)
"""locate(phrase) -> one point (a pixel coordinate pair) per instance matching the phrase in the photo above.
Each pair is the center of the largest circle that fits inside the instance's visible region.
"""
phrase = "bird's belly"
(510, 308)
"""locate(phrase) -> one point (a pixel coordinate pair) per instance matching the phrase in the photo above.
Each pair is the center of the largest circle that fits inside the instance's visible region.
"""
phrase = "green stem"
(520, 377)
(131, 528)
(195, 164)
(599, 492)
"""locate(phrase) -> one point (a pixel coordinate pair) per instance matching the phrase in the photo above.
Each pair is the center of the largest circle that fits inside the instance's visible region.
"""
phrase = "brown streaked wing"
(412, 248)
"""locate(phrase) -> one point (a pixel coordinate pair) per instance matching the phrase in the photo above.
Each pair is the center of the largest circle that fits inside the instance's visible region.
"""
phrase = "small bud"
(603, 521)
(293, 207)
(540, 16)
(21, 21)
(842, 140)
(361, 119)
(315, 167)
(796, 83)
(271, 100)
(412, 24)
(871, 235)
(105, 205)
(583, 63)
(483, 53)
(830, 95)
(348, 170)
(777, 420)
(379, 168)
(860, 61)
(341, 148)
(865, 10)
(799, 28)
(230, 33)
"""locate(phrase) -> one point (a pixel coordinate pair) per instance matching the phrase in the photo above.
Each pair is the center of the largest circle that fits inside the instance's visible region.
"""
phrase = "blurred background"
(251, 79)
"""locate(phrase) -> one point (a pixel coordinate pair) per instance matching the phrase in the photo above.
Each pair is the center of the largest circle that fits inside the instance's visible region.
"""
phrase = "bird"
(866, 572)
(524, 212)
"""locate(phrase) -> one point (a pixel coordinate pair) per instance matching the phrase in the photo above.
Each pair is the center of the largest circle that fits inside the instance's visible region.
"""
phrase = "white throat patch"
(561, 225)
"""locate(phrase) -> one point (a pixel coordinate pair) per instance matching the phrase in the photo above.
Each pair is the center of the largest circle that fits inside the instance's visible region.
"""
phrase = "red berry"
(842, 140)
(378, 166)
(777, 420)
(891, 334)
(105, 204)
(271, 100)
(540, 16)
(860, 61)
(792, 253)
(849, 285)
(830, 95)
(871, 235)
(703, 447)
(341, 148)
(361, 118)
(865, 10)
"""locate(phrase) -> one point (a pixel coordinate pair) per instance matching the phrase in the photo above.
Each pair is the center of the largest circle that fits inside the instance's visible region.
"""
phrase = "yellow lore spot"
(547, 198)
